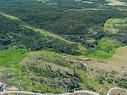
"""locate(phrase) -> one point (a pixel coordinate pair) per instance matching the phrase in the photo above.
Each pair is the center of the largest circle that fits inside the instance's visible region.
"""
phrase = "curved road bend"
(116, 88)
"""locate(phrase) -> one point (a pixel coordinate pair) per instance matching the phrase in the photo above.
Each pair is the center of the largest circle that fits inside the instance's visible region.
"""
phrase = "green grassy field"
(10, 67)
(107, 46)
(105, 49)
(12, 56)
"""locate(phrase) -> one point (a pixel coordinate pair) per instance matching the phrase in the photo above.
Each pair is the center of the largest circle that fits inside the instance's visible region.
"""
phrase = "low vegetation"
(105, 49)
(63, 71)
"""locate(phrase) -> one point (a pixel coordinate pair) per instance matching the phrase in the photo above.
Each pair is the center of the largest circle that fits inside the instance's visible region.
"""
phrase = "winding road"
(32, 93)
(75, 92)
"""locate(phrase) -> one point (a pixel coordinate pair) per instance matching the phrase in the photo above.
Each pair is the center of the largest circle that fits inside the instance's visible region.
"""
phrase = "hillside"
(76, 25)
(15, 33)
(61, 46)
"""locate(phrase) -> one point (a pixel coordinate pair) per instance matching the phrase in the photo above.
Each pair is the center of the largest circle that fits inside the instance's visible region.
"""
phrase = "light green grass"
(120, 57)
(107, 44)
(12, 56)
(44, 33)
(9, 16)
(49, 89)
(105, 49)
(82, 49)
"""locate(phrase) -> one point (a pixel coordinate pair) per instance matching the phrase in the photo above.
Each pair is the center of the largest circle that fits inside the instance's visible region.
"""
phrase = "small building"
(2, 87)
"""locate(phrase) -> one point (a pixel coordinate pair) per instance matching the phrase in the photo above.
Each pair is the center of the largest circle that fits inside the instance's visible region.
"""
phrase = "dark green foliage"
(101, 79)
(73, 24)
(122, 82)
(12, 33)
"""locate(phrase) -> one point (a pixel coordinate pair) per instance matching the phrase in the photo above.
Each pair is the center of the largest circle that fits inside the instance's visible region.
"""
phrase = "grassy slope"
(120, 57)
(107, 46)
(105, 69)
(105, 49)
(12, 56)
(10, 69)
(56, 61)
(14, 74)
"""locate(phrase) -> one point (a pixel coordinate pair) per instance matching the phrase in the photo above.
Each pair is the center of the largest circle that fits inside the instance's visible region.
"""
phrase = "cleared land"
(120, 57)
